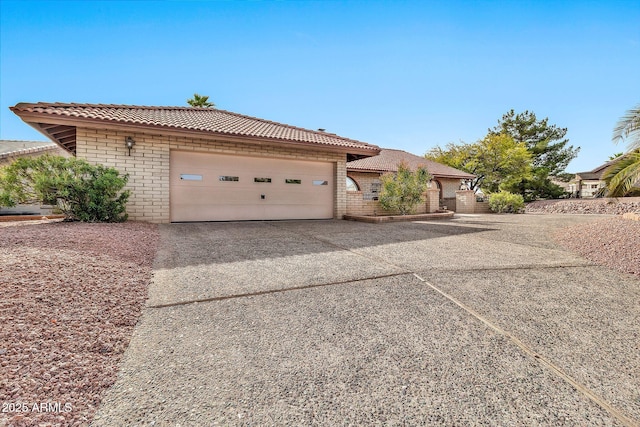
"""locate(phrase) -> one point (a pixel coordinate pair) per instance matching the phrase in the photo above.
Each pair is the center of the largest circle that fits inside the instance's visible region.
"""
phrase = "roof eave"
(34, 119)
(435, 175)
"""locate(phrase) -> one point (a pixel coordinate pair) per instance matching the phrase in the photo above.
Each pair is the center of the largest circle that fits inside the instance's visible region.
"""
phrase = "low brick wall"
(482, 208)
(356, 205)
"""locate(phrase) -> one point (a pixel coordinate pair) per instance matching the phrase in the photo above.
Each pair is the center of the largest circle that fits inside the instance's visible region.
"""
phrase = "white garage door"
(218, 187)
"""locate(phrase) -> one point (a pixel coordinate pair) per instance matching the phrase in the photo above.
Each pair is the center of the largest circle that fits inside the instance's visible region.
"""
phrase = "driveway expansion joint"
(514, 267)
(277, 291)
(586, 391)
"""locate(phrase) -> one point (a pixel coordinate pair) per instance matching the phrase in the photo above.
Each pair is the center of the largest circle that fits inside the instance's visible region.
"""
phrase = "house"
(205, 164)
(591, 184)
(11, 150)
(363, 180)
(587, 184)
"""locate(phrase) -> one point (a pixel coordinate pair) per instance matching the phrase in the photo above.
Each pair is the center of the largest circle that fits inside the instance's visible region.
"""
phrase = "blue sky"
(399, 74)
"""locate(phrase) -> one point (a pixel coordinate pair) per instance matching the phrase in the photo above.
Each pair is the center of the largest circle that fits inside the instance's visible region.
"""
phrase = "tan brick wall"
(433, 200)
(359, 204)
(482, 208)
(465, 201)
(148, 165)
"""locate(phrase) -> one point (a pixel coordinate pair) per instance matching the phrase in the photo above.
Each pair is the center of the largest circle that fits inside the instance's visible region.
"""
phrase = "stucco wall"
(148, 165)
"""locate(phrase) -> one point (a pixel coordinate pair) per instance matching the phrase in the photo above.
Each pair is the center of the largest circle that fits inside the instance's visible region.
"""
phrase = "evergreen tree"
(548, 147)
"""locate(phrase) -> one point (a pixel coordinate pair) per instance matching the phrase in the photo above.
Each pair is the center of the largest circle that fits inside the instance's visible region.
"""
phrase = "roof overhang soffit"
(63, 135)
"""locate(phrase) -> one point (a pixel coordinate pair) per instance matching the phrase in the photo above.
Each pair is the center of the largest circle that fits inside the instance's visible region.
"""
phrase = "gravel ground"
(613, 242)
(585, 206)
(72, 294)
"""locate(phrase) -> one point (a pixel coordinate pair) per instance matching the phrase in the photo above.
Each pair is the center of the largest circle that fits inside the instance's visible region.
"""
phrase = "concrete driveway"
(480, 320)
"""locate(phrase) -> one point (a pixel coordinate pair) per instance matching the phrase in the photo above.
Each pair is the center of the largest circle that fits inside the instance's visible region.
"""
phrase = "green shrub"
(403, 190)
(83, 192)
(505, 202)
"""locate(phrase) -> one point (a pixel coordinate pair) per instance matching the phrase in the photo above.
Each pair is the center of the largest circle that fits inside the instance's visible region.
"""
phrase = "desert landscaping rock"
(614, 242)
(610, 206)
(72, 294)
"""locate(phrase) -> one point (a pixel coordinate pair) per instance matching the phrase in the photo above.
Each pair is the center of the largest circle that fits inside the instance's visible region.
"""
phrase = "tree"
(498, 161)
(403, 190)
(201, 101)
(616, 155)
(548, 147)
(624, 174)
(83, 192)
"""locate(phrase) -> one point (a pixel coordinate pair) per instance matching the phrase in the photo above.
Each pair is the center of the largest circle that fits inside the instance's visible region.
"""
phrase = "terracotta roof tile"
(388, 160)
(206, 120)
(12, 148)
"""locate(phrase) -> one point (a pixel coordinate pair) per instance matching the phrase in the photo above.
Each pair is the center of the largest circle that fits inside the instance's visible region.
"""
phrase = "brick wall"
(465, 201)
(148, 165)
(360, 202)
(482, 208)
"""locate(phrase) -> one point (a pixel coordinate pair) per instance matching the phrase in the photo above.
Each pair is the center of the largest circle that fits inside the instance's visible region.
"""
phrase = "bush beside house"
(505, 202)
(403, 190)
(83, 192)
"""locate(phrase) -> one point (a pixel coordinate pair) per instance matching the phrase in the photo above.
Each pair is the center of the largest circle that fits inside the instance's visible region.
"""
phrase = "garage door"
(218, 187)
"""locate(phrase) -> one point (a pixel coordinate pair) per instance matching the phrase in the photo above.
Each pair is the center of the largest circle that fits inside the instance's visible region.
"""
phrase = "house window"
(320, 182)
(293, 181)
(190, 177)
(375, 187)
(594, 185)
(261, 179)
(228, 178)
(352, 185)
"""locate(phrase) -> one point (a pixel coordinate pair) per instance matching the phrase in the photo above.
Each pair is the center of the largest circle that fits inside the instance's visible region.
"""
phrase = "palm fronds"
(628, 128)
(623, 175)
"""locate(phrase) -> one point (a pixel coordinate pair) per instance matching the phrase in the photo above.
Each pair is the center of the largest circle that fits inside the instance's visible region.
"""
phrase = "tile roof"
(12, 148)
(201, 120)
(596, 174)
(388, 160)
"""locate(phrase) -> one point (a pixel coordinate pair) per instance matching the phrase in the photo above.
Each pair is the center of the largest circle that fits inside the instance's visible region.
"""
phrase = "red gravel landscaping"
(71, 295)
(614, 242)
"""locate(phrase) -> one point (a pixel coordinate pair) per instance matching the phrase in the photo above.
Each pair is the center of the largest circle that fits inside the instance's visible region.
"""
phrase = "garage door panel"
(198, 193)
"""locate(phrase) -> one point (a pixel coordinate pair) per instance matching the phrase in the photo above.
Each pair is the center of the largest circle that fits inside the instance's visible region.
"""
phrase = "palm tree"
(624, 174)
(201, 101)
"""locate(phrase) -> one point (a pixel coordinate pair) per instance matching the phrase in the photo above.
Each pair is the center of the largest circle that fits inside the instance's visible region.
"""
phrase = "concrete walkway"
(480, 320)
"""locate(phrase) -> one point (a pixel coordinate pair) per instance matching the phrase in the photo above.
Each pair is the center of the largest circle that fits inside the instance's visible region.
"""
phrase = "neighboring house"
(587, 184)
(363, 180)
(205, 164)
(11, 150)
